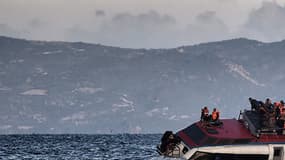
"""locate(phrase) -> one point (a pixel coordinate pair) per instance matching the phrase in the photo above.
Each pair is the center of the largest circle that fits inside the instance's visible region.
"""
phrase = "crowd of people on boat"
(211, 118)
(272, 114)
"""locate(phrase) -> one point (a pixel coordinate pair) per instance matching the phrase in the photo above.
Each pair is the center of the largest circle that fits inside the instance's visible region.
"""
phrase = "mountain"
(62, 87)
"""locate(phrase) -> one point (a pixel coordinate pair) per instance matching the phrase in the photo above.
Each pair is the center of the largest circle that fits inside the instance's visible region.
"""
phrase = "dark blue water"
(79, 147)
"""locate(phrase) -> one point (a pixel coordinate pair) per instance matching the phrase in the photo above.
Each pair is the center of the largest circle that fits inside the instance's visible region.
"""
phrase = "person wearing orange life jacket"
(282, 109)
(215, 115)
(282, 118)
(281, 106)
(278, 109)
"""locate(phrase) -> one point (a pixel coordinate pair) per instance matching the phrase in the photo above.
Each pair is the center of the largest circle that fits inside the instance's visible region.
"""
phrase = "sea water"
(79, 147)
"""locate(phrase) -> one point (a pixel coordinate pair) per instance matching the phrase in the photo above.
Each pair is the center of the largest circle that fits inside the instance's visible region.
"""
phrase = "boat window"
(214, 156)
(240, 157)
(241, 141)
(209, 141)
(195, 133)
(185, 150)
(225, 141)
(278, 153)
(212, 131)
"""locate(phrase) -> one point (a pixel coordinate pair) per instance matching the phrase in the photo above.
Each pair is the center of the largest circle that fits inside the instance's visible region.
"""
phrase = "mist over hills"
(61, 87)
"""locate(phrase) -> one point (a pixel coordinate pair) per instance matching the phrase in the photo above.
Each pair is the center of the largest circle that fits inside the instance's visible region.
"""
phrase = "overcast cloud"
(143, 23)
(148, 29)
(266, 23)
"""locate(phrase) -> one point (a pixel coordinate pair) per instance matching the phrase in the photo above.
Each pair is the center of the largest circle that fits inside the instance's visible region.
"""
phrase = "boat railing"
(268, 131)
(275, 131)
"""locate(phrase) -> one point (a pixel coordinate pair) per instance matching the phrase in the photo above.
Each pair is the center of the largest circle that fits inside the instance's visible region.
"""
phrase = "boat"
(254, 135)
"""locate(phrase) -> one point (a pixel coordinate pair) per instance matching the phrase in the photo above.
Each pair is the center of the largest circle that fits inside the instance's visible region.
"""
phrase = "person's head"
(205, 107)
(282, 102)
(268, 100)
(214, 109)
(249, 98)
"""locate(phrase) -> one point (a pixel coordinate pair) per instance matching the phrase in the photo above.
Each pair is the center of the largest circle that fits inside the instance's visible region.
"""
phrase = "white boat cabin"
(236, 152)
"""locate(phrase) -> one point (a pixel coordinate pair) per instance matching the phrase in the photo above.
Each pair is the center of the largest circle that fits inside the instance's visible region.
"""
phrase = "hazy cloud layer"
(152, 29)
(150, 24)
(266, 23)
(148, 29)
(100, 13)
(207, 27)
(9, 31)
(36, 23)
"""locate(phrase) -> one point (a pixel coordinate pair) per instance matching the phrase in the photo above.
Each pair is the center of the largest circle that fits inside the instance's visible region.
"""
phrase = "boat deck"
(230, 129)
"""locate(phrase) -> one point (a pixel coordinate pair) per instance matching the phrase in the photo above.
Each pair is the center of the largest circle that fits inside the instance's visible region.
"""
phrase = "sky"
(143, 23)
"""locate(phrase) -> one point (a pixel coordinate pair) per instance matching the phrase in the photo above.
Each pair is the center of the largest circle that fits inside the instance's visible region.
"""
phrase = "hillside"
(62, 87)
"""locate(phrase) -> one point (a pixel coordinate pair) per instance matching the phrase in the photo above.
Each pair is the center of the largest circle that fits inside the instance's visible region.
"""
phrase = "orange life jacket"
(215, 115)
(277, 104)
(282, 112)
